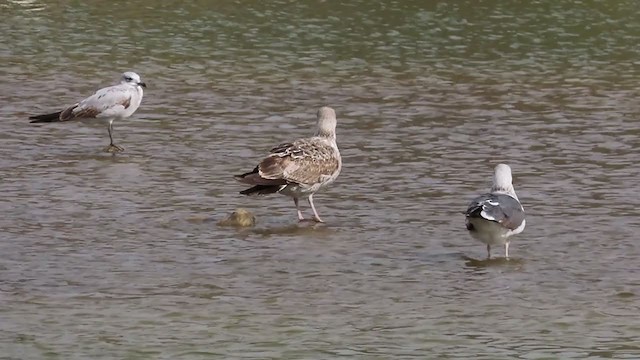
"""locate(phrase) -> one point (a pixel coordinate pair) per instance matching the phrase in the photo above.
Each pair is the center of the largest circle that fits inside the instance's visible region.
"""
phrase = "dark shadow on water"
(483, 263)
(265, 228)
(75, 156)
(297, 228)
(440, 257)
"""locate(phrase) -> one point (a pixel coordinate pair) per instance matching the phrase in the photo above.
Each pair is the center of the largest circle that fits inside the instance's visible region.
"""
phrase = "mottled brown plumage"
(299, 168)
(305, 161)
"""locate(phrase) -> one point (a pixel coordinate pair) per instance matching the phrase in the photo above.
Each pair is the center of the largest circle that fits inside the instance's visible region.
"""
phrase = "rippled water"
(120, 256)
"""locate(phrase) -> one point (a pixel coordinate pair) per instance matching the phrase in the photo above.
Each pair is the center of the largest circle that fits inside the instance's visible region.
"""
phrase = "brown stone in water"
(241, 218)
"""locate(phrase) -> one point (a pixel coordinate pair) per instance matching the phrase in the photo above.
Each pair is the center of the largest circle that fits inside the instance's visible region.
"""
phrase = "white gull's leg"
(295, 201)
(316, 217)
(112, 148)
(506, 250)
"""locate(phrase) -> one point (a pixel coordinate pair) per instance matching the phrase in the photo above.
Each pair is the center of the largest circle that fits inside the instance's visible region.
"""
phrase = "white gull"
(106, 105)
(494, 217)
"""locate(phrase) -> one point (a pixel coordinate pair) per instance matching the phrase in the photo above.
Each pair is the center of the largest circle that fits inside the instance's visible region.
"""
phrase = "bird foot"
(311, 220)
(112, 148)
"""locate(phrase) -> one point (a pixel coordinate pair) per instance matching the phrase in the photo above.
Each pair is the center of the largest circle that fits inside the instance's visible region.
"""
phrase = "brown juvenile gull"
(493, 217)
(106, 105)
(300, 168)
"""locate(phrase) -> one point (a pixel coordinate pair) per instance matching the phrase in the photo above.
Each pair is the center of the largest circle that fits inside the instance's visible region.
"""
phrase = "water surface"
(120, 257)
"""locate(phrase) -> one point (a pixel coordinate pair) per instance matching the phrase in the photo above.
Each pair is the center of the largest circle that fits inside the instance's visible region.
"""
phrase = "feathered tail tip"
(261, 190)
(261, 186)
(46, 118)
(239, 177)
(257, 189)
(243, 177)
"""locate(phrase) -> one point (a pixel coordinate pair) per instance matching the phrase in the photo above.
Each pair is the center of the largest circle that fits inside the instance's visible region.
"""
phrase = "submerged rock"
(240, 218)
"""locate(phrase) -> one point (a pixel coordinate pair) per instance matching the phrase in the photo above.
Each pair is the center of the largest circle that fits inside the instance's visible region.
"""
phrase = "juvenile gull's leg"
(300, 217)
(316, 217)
(488, 251)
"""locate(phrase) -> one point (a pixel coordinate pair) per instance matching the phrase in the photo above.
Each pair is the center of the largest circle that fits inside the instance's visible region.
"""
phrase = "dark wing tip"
(242, 177)
(53, 117)
(474, 210)
(261, 190)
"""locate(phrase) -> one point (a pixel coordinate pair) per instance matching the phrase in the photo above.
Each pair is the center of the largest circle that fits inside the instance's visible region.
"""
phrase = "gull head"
(132, 78)
(502, 180)
(326, 122)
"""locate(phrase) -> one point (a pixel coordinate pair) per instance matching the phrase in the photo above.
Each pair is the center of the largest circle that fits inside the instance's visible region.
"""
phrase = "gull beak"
(142, 84)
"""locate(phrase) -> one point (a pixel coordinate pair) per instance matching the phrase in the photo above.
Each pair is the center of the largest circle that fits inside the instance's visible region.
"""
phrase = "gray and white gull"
(494, 217)
(106, 105)
(300, 168)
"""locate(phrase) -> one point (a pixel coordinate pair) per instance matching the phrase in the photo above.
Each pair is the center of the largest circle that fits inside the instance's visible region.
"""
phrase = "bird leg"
(488, 251)
(300, 217)
(506, 250)
(112, 148)
(316, 217)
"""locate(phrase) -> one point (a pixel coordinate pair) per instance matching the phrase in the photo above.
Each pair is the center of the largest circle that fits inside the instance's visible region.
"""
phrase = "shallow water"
(120, 256)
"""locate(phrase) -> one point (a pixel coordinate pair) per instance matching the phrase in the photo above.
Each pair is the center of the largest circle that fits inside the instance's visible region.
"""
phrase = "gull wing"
(105, 103)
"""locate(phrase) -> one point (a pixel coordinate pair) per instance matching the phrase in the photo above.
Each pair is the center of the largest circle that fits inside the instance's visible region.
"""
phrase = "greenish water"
(120, 257)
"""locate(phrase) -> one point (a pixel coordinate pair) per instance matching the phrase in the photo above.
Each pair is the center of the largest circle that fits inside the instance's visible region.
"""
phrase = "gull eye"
(128, 78)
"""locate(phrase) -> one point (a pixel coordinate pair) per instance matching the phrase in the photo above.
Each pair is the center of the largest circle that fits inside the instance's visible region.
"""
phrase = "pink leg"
(300, 217)
(316, 217)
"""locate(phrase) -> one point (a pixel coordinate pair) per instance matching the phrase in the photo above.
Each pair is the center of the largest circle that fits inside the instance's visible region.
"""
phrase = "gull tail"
(46, 118)
(262, 186)
(248, 177)
(261, 190)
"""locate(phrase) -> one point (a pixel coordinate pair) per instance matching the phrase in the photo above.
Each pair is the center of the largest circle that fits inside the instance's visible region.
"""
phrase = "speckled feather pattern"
(300, 168)
(306, 162)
